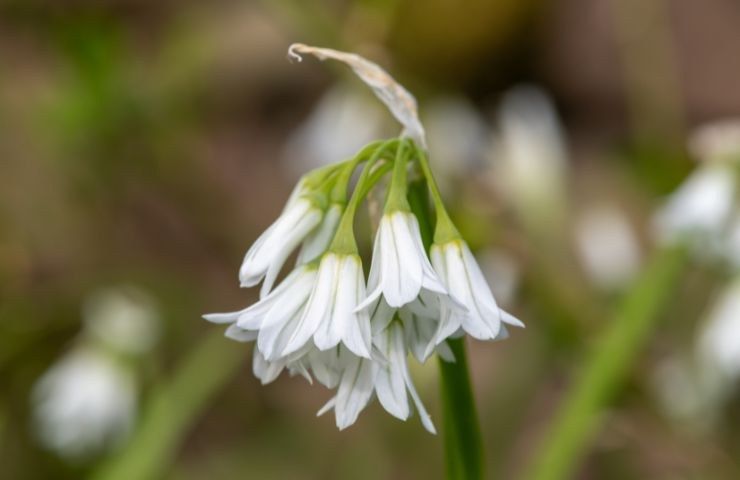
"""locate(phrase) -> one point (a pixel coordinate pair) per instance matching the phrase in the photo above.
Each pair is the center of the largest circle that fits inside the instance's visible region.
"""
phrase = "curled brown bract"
(399, 101)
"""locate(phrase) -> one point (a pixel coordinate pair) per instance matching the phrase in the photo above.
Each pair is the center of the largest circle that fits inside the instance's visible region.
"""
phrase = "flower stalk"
(606, 368)
(463, 442)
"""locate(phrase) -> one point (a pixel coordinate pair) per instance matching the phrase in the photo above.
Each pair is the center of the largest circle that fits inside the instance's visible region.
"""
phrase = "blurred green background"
(145, 145)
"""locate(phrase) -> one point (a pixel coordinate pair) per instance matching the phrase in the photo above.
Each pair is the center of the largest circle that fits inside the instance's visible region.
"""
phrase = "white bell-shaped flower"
(266, 257)
(330, 316)
(701, 207)
(400, 267)
(457, 267)
(273, 320)
(85, 403)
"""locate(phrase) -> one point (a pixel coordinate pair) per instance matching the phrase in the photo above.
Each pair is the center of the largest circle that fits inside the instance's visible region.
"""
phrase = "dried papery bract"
(399, 101)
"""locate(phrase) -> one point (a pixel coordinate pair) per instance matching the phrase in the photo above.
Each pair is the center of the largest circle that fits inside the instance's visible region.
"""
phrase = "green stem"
(444, 230)
(461, 432)
(606, 368)
(173, 410)
(344, 238)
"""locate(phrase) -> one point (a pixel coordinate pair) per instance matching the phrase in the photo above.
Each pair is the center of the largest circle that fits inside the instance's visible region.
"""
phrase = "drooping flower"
(330, 316)
(400, 266)
(266, 257)
(320, 322)
(318, 241)
(701, 207)
(393, 379)
(84, 404)
(274, 319)
(459, 271)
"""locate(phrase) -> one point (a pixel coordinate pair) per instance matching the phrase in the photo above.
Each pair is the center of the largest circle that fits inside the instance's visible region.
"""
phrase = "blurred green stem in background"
(606, 367)
(463, 442)
(173, 409)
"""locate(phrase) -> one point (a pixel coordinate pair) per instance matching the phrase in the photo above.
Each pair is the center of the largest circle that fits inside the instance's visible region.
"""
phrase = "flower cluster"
(324, 321)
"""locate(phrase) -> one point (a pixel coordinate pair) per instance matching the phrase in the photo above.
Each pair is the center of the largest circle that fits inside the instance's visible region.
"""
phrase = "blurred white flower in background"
(607, 246)
(699, 212)
(717, 141)
(343, 121)
(693, 389)
(502, 273)
(703, 214)
(701, 207)
(530, 159)
(719, 341)
(458, 138)
(123, 318)
(86, 402)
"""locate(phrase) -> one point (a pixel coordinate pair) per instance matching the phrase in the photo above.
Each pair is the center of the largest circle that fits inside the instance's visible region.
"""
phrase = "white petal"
(380, 316)
(264, 370)
(340, 304)
(430, 280)
(356, 336)
(325, 367)
(294, 223)
(223, 317)
(241, 335)
(460, 287)
(426, 420)
(355, 390)
(272, 340)
(480, 293)
(286, 247)
(327, 406)
(373, 278)
(319, 240)
(445, 352)
(252, 317)
(506, 317)
(318, 307)
(298, 368)
(390, 384)
(290, 304)
(251, 271)
(419, 332)
(402, 274)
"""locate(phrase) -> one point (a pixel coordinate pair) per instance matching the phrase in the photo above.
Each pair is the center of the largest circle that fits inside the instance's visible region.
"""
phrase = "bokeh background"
(145, 145)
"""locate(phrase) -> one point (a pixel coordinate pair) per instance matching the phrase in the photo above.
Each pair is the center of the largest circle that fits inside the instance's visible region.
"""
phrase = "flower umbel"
(322, 321)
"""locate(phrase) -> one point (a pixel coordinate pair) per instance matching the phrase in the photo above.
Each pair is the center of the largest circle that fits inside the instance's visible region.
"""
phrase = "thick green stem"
(605, 369)
(461, 432)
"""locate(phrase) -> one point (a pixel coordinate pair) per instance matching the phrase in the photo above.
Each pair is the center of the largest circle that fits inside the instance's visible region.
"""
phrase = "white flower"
(393, 378)
(320, 239)
(273, 320)
(124, 319)
(83, 404)
(330, 316)
(530, 161)
(421, 323)
(266, 257)
(389, 379)
(607, 245)
(701, 206)
(719, 340)
(355, 389)
(400, 267)
(466, 284)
